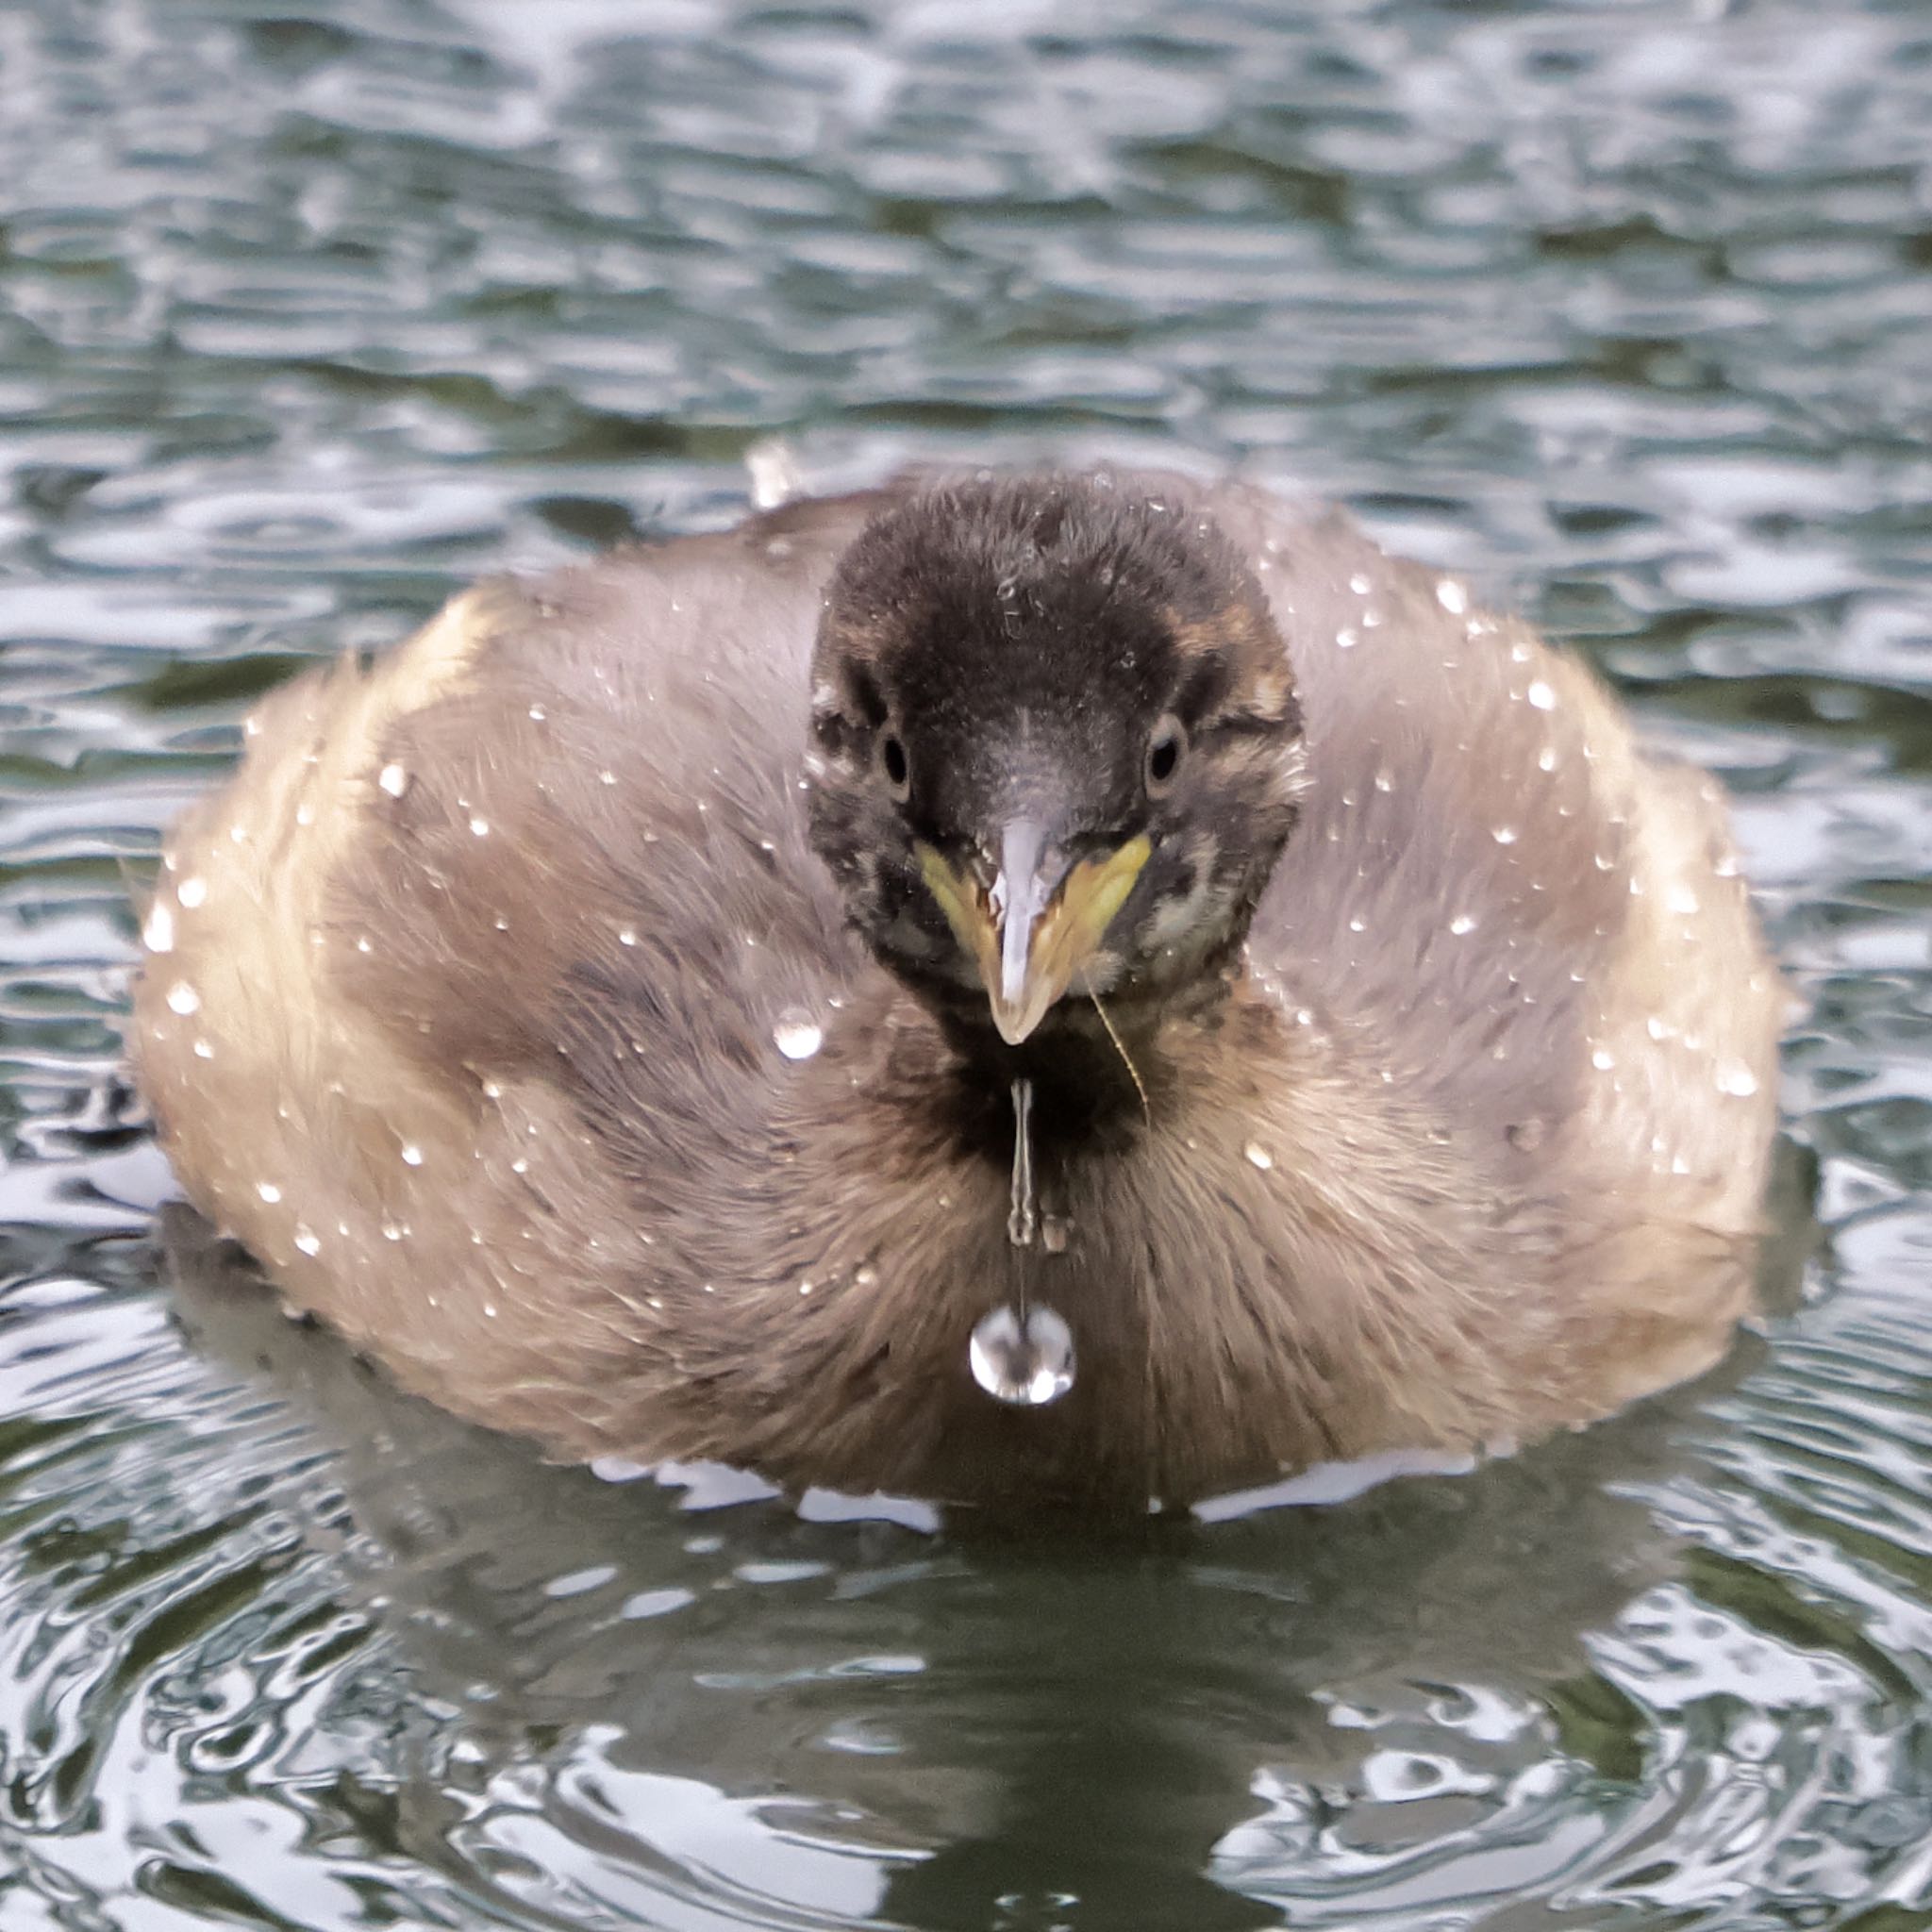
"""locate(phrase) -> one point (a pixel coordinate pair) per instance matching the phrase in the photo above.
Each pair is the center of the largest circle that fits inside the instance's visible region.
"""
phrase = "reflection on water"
(306, 317)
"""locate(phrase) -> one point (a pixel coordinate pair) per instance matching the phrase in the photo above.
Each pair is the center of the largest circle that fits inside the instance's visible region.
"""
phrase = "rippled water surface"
(308, 314)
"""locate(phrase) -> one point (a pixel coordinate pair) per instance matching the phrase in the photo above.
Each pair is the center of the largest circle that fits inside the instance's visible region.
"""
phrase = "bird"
(1086, 988)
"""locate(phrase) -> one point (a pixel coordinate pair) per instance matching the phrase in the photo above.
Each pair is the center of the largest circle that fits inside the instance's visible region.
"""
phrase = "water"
(1616, 312)
(1022, 1357)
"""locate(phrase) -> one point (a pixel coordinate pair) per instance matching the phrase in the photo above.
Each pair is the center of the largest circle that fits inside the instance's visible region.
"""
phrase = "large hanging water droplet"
(1026, 1361)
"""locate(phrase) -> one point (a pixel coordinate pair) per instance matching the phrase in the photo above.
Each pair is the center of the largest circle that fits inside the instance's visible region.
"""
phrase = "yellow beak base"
(1064, 942)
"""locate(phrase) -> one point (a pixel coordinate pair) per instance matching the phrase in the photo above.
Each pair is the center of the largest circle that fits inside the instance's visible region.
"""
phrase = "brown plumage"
(1452, 1035)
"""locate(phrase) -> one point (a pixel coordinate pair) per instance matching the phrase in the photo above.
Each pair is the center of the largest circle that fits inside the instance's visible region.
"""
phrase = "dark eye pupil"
(1162, 757)
(892, 754)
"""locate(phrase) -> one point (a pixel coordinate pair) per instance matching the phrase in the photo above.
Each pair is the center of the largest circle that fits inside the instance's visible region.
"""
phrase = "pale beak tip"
(1014, 1023)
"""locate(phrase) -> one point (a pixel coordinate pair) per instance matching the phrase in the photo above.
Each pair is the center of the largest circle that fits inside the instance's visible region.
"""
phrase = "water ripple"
(306, 316)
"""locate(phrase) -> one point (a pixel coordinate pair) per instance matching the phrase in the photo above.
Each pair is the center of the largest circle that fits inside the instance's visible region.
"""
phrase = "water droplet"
(1259, 1156)
(797, 1035)
(203, 1051)
(1022, 1210)
(1541, 696)
(1680, 898)
(1023, 1362)
(626, 935)
(1346, 640)
(412, 1155)
(269, 1191)
(1603, 1059)
(193, 891)
(607, 778)
(1384, 782)
(183, 999)
(480, 826)
(1358, 584)
(157, 935)
(1358, 925)
(1658, 1028)
(538, 714)
(1735, 1078)
(307, 1239)
(1503, 835)
(393, 780)
(1462, 923)
(805, 1287)
(1452, 596)
(1547, 758)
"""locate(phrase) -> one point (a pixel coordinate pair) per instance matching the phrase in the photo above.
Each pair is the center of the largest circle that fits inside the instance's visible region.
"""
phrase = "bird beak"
(1037, 927)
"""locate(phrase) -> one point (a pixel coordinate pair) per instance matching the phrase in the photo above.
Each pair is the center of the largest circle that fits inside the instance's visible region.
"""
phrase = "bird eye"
(894, 764)
(1165, 747)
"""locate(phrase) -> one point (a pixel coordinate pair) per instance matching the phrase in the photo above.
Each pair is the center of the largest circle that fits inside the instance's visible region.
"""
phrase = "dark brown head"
(1055, 744)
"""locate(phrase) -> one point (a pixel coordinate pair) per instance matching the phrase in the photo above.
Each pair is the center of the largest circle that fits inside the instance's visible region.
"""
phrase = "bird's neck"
(1099, 1073)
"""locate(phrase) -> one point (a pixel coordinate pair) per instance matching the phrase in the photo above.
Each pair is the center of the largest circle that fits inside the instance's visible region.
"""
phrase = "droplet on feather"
(797, 1035)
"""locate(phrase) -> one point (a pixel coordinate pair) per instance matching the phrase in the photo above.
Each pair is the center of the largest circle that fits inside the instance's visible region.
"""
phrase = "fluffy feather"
(466, 1024)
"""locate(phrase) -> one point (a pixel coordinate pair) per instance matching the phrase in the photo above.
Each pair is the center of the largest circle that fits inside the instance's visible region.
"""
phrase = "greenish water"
(308, 316)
